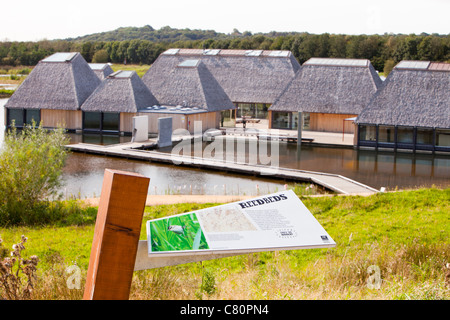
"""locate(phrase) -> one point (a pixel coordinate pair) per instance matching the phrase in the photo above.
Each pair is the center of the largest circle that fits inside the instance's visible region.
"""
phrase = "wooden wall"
(126, 121)
(331, 122)
(69, 119)
(182, 121)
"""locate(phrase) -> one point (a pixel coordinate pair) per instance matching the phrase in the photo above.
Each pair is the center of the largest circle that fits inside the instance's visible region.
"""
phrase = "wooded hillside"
(143, 46)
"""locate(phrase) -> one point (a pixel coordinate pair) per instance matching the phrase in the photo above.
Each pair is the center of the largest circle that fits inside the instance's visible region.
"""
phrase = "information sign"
(278, 221)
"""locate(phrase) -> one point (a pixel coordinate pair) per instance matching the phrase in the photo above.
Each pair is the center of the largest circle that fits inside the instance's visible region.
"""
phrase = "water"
(374, 168)
(83, 173)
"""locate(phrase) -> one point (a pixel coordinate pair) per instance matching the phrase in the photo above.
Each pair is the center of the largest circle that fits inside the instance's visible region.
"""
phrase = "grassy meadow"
(404, 234)
(140, 69)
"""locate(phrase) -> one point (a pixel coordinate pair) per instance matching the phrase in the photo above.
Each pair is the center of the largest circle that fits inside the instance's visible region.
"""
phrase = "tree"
(100, 56)
(338, 45)
(407, 49)
(87, 51)
(431, 48)
(388, 66)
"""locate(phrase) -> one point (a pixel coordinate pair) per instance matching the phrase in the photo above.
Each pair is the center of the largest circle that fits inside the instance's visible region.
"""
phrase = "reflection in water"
(83, 173)
(83, 176)
(94, 138)
(374, 168)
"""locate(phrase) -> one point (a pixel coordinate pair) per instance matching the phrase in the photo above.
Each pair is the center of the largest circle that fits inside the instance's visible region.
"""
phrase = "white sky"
(55, 19)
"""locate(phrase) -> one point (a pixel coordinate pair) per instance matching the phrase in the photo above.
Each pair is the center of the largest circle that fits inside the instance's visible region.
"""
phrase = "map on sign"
(278, 221)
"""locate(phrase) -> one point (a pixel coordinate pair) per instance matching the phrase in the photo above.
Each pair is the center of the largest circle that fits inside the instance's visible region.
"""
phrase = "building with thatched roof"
(252, 79)
(111, 107)
(189, 92)
(102, 70)
(411, 110)
(53, 92)
(327, 91)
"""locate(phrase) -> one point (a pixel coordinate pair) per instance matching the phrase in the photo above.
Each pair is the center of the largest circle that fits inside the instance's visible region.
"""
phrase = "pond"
(83, 174)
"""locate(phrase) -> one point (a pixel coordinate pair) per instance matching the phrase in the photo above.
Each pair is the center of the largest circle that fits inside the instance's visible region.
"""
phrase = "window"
(253, 110)
(424, 136)
(110, 121)
(262, 111)
(32, 114)
(443, 137)
(92, 120)
(306, 120)
(101, 121)
(405, 135)
(227, 118)
(245, 110)
(16, 116)
(294, 122)
(386, 134)
(367, 133)
(281, 120)
(22, 117)
(289, 120)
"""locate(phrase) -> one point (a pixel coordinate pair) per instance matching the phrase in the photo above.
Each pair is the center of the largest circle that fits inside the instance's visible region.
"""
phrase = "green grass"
(140, 69)
(6, 93)
(405, 234)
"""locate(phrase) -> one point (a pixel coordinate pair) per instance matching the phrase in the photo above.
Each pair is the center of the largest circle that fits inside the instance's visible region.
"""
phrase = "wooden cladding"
(68, 119)
(183, 121)
(330, 122)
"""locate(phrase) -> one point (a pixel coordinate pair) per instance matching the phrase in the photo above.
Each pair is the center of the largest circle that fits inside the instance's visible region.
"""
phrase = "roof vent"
(189, 63)
(171, 52)
(337, 62)
(60, 57)
(279, 54)
(253, 53)
(121, 74)
(414, 65)
(211, 52)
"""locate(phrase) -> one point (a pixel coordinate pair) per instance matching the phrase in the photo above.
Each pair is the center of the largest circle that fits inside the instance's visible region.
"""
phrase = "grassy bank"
(5, 93)
(404, 234)
(140, 69)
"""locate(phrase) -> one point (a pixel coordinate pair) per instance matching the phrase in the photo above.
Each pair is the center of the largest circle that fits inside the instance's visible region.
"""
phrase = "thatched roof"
(102, 70)
(63, 81)
(190, 84)
(249, 76)
(329, 85)
(121, 91)
(416, 93)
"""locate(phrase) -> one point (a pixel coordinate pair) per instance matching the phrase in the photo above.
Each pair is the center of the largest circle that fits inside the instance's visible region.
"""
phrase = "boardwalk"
(334, 182)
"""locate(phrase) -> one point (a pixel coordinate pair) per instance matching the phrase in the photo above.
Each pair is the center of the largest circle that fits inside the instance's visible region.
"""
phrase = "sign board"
(140, 129)
(164, 132)
(278, 221)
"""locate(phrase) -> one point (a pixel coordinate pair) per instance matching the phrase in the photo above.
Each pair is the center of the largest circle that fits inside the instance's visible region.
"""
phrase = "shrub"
(24, 71)
(31, 163)
(100, 56)
(5, 93)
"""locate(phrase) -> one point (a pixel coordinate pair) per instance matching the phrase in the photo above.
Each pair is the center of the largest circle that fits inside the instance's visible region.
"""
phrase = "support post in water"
(299, 128)
(116, 236)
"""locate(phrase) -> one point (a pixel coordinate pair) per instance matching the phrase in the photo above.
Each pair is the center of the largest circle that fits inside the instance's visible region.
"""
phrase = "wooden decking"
(334, 182)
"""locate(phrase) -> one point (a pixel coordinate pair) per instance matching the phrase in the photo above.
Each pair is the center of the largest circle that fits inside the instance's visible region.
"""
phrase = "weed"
(17, 275)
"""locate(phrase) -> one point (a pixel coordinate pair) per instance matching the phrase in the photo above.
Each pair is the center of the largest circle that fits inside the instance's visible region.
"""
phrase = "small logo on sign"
(324, 238)
(286, 233)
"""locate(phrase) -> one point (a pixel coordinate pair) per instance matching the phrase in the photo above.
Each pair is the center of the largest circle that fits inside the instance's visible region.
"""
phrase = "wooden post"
(116, 236)
(299, 129)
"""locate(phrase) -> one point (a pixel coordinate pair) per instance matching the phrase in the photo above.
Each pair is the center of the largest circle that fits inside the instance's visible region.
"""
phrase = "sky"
(34, 20)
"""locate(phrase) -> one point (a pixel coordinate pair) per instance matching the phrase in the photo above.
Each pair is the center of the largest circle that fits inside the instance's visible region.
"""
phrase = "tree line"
(384, 51)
